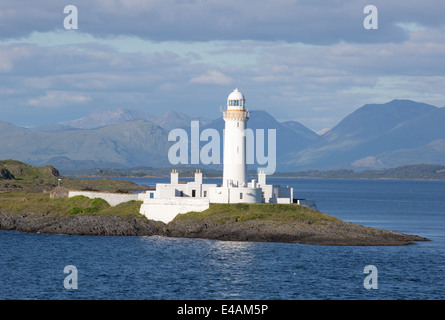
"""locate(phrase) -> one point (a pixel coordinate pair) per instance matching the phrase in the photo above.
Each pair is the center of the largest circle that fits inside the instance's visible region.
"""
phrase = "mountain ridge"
(373, 136)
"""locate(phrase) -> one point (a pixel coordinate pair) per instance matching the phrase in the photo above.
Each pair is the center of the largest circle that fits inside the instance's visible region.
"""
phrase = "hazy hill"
(175, 119)
(102, 118)
(124, 144)
(433, 153)
(415, 132)
(400, 132)
(290, 135)
(371, 130)
(373, 120)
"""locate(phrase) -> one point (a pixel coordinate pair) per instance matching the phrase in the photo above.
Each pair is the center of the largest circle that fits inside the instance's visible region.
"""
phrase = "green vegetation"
(16, 175)
(19, 175)
(37, 202)
(94, 206)
(124, 209)
(282, 213)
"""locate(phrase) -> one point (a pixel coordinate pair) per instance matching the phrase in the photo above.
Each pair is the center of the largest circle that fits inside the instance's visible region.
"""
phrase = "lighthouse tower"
(170, 199)
(235, 117)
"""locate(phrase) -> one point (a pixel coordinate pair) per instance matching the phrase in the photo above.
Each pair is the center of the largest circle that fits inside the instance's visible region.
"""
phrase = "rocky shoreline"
(338, 233)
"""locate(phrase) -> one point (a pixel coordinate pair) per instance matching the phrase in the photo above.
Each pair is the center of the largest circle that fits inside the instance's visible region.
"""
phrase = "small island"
(26, 206)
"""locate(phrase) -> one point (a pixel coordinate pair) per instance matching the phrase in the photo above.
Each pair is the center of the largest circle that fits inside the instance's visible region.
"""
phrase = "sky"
(309, 61)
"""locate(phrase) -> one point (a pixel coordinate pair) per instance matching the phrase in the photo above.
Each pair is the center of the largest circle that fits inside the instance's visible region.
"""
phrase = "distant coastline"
(408, 172)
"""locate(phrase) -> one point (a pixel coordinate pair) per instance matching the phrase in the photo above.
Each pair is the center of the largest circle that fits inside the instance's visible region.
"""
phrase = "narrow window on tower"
(241, 195)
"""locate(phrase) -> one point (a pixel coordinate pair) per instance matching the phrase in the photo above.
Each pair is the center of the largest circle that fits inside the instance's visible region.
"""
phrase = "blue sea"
(158, 268)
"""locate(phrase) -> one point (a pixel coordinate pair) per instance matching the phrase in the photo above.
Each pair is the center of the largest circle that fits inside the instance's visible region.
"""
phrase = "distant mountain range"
(375, 136)
(396, 133)
(102, 118)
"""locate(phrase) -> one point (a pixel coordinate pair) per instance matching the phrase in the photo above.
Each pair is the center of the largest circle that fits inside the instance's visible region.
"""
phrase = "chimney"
(261, 178)
(198, 176)
(174, 179)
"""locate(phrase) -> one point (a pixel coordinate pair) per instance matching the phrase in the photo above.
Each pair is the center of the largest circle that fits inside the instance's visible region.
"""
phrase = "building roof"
(236, 95)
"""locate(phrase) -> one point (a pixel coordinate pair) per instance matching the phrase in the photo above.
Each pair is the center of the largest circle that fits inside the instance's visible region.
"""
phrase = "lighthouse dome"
(236, 95)
(236, 100)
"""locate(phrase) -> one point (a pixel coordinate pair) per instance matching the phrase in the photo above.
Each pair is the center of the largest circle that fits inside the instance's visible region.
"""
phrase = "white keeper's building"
(171, 199)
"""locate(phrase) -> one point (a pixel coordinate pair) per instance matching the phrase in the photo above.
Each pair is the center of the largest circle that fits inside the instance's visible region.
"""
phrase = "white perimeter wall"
(112, 198)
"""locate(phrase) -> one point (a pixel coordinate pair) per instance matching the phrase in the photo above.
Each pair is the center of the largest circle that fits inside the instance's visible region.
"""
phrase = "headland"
(26, 206)
(290, 223)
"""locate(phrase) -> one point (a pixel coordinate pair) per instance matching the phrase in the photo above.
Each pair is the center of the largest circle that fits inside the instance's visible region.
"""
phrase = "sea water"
(127, 267)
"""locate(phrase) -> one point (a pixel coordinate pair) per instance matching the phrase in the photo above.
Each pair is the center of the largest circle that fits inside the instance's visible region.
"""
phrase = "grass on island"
(16, 175)
(282, 213)
(37, 202)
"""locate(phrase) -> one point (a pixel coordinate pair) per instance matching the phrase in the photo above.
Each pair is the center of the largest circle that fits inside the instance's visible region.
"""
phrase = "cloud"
(315, 22)
(54, 99)
(212, 77)
(289, 80)
(11, 55)
(308, 60)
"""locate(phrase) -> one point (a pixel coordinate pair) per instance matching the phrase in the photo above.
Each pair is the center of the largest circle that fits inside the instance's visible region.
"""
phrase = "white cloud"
(212, 77)
(108, 64)
(320, 22)
(55, 99)
(10, 54)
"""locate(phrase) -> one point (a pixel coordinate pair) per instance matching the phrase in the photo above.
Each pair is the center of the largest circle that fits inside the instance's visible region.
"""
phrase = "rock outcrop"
(331, 233)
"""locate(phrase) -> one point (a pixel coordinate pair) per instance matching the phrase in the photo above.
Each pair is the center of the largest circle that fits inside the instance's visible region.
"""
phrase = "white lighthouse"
(171, 199)
(235, 117)
(167, 200)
